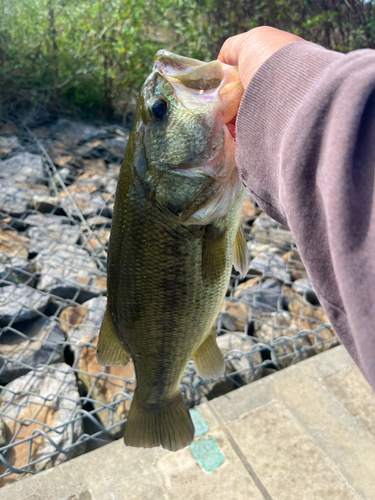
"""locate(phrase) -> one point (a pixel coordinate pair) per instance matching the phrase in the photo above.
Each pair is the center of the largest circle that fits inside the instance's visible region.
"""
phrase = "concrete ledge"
(307, 432)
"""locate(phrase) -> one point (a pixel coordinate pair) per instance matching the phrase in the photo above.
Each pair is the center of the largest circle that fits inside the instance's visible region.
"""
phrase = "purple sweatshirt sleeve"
(306, 152)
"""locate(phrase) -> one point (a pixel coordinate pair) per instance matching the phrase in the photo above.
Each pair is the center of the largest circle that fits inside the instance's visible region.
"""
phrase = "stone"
(93, 168)
(304, 287)
(20, 303)
(79, 188)
(65, 269)
(45, 239)
(4, 433)
(270, 265)
(61, 161)
(269, 234)
(249, 211)
(17, 272)
(105, 387)
(8, 128)
(88, 149)
(13, 247)
(74, 132)
(8, 144)
(41, 400)
(115, 149)
(13, 199)
(43, 220)
(295, 265)
(99, 221)
(23, 167)
(241, 355)
(83, 322)
(88, 204)
(234, 316)
(280, 331)
(262, 296)
(38, 341)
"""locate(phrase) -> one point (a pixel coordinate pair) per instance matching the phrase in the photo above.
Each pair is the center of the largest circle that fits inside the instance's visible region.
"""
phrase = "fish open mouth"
(231, 126)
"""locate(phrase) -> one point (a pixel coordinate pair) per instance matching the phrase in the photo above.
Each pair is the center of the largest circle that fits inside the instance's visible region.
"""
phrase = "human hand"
(250, 50)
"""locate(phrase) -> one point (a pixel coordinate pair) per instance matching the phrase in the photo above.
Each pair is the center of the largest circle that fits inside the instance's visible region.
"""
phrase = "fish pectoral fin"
(110, 351)
(240, 260)
(213, 253)
(168, 424)
(208, 360)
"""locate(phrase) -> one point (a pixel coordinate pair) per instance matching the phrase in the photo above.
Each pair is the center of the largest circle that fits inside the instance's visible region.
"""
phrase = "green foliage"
(92, 56)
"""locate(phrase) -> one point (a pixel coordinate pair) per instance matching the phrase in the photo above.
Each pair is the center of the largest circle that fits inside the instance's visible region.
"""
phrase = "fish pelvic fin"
(169, 425)
(110, 351)
(240, 260)
(208, 360)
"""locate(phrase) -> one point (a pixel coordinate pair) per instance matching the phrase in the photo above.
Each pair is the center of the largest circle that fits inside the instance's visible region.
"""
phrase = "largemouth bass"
(175, 234)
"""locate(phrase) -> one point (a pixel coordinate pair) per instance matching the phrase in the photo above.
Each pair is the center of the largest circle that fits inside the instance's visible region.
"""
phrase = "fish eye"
(158, 107)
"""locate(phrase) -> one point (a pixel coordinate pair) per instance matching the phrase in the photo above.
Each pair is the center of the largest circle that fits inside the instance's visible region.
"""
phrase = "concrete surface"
(305, 433)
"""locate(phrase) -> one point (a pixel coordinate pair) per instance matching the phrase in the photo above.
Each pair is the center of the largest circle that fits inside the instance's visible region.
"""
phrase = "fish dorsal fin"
(240, 260)
(213, 253)
(110, 351)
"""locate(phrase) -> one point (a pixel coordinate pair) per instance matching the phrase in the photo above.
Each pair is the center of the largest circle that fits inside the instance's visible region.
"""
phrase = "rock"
(104, 387)
(80, 188)
(293, 260)
(234, 316)
(88, 204)
(43, 344)
(304, 287)
(87, 150)
(262, 296)
(17, 272)
(14, 247)
(8, 144)
(99, 221)
(241, 355)
(8, 128)
(269, 236)
(4, 433)
(270, 265)
(83, 322)
(72, 132)
(65, 269)
(40, 401)
(23, 167)
(115, 149)
(280, 330)
(13, 199)
(93, 168)
(20, 303)
(43, 220)
(49, 237)
(249, 211)
(61, 161)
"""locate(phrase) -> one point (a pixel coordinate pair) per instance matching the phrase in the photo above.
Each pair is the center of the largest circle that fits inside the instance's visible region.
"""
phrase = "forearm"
(306, 151)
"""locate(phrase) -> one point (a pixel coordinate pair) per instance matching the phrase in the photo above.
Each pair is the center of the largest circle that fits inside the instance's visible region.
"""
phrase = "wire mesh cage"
(57, 186)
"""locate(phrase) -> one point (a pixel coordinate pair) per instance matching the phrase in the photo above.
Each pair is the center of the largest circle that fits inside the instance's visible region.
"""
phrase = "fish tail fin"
(169, 426)
(208, 360)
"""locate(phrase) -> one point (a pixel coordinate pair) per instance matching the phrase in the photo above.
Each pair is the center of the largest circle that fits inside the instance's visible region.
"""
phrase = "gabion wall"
(57, 186)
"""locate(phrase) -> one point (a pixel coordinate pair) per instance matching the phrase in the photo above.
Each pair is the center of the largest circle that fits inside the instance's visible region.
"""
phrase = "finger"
(230, 50)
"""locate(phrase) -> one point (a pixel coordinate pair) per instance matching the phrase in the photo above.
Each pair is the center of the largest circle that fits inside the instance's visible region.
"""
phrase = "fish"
(175, 234)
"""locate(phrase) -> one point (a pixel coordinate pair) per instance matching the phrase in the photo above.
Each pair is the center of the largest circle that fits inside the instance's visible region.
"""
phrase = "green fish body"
(175, 234)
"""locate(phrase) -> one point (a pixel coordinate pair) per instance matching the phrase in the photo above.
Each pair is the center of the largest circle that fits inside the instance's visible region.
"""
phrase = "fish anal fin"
(208, 360)
(213, 253)
(240, 260)
(168, 425)
(110, 351)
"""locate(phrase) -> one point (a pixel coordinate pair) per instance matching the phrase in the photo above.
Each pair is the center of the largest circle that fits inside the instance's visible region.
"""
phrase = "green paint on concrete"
(207, 453)
(199, 423)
